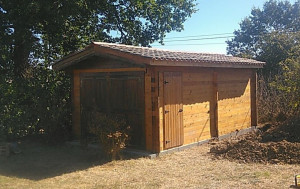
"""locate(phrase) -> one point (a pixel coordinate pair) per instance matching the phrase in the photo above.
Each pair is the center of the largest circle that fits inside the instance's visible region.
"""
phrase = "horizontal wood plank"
(234, 100)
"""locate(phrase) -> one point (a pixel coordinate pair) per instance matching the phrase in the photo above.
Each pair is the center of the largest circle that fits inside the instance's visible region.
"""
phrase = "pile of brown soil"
(279, 143)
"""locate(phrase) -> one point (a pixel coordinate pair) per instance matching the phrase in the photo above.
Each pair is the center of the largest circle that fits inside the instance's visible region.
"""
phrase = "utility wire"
(205, 35)
(188, 44)
(199, 39)
(169, 39)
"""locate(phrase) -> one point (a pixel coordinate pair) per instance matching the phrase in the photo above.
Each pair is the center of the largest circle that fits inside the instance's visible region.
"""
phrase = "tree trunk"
(22, 46)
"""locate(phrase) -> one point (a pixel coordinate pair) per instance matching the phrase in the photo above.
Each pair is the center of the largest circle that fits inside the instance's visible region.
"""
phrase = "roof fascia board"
(74, 58)
(204, 64)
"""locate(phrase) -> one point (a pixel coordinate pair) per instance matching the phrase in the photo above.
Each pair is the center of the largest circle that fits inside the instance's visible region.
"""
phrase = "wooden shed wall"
(234, 106)
(119, 83)
(197, 90)
(94, 65)
(216, 101)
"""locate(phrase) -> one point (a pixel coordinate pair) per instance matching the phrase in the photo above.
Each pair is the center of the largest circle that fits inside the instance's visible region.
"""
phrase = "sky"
(213, 17)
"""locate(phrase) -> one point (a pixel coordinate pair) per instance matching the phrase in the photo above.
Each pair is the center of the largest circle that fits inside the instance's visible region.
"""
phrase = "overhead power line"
(199, 39)
(211, 36)
(205, 35)
(184, 44)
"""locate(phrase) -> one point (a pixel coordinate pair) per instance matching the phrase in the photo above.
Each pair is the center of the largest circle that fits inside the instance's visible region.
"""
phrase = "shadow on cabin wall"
(198, 85)
(234, 106)
(233, 88)
(119, 93)
(232, 83)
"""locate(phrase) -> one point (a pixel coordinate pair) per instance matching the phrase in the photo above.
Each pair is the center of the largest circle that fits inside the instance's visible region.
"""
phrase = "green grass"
(264, 174)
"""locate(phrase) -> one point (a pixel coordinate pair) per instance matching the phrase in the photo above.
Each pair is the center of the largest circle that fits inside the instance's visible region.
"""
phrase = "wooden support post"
(214, 131)
(76, 130)
(148, 111)
(253, 89)
(161, 110)
(155, 113)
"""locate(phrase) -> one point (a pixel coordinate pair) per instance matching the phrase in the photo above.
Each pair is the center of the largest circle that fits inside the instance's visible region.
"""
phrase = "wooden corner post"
(148, 111)
(161, 110)
(214, 131)
(155, 111)
(253, 89)
(76, 128)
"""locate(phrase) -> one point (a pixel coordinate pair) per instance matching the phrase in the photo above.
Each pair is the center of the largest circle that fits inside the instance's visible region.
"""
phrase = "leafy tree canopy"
(44, 30)
(268, 34)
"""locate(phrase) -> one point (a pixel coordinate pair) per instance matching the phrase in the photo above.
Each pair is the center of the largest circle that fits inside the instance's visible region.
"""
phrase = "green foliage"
(289, 80)
(35, 30)
(279, 96)
(273, 103)
(268, 34)
(112, 131)
(35, 33)
(36, 105)
(273, 35)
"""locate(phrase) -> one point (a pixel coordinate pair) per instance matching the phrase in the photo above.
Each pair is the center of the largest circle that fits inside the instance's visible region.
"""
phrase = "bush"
(112, 131)
(279, 96)
(38, 104)
(272, 102)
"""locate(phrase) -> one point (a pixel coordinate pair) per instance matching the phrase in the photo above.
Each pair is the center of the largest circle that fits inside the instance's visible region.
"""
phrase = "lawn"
(64, 166)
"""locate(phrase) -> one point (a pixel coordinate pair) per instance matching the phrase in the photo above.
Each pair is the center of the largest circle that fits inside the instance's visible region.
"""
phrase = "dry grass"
(71, 167)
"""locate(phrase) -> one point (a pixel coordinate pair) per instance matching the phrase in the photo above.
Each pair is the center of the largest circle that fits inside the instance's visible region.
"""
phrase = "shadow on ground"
(38, 161)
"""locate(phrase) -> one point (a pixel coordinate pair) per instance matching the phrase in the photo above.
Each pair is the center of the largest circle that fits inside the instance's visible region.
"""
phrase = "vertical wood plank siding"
(173, 122)
(76, 95)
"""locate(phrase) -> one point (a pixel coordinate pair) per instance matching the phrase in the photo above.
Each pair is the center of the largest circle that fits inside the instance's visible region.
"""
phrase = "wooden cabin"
(170, 98)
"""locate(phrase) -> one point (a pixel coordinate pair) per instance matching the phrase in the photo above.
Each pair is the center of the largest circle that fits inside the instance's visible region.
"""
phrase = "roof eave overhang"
(74, 58)
(206, 64)
(95, 50)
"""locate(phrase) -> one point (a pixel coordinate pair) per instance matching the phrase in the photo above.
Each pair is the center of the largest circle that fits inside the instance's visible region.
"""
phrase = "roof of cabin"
(153, 56)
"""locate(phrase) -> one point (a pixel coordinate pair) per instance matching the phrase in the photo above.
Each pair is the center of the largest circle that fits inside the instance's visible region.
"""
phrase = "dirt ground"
(271, 143)
(40, 166)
